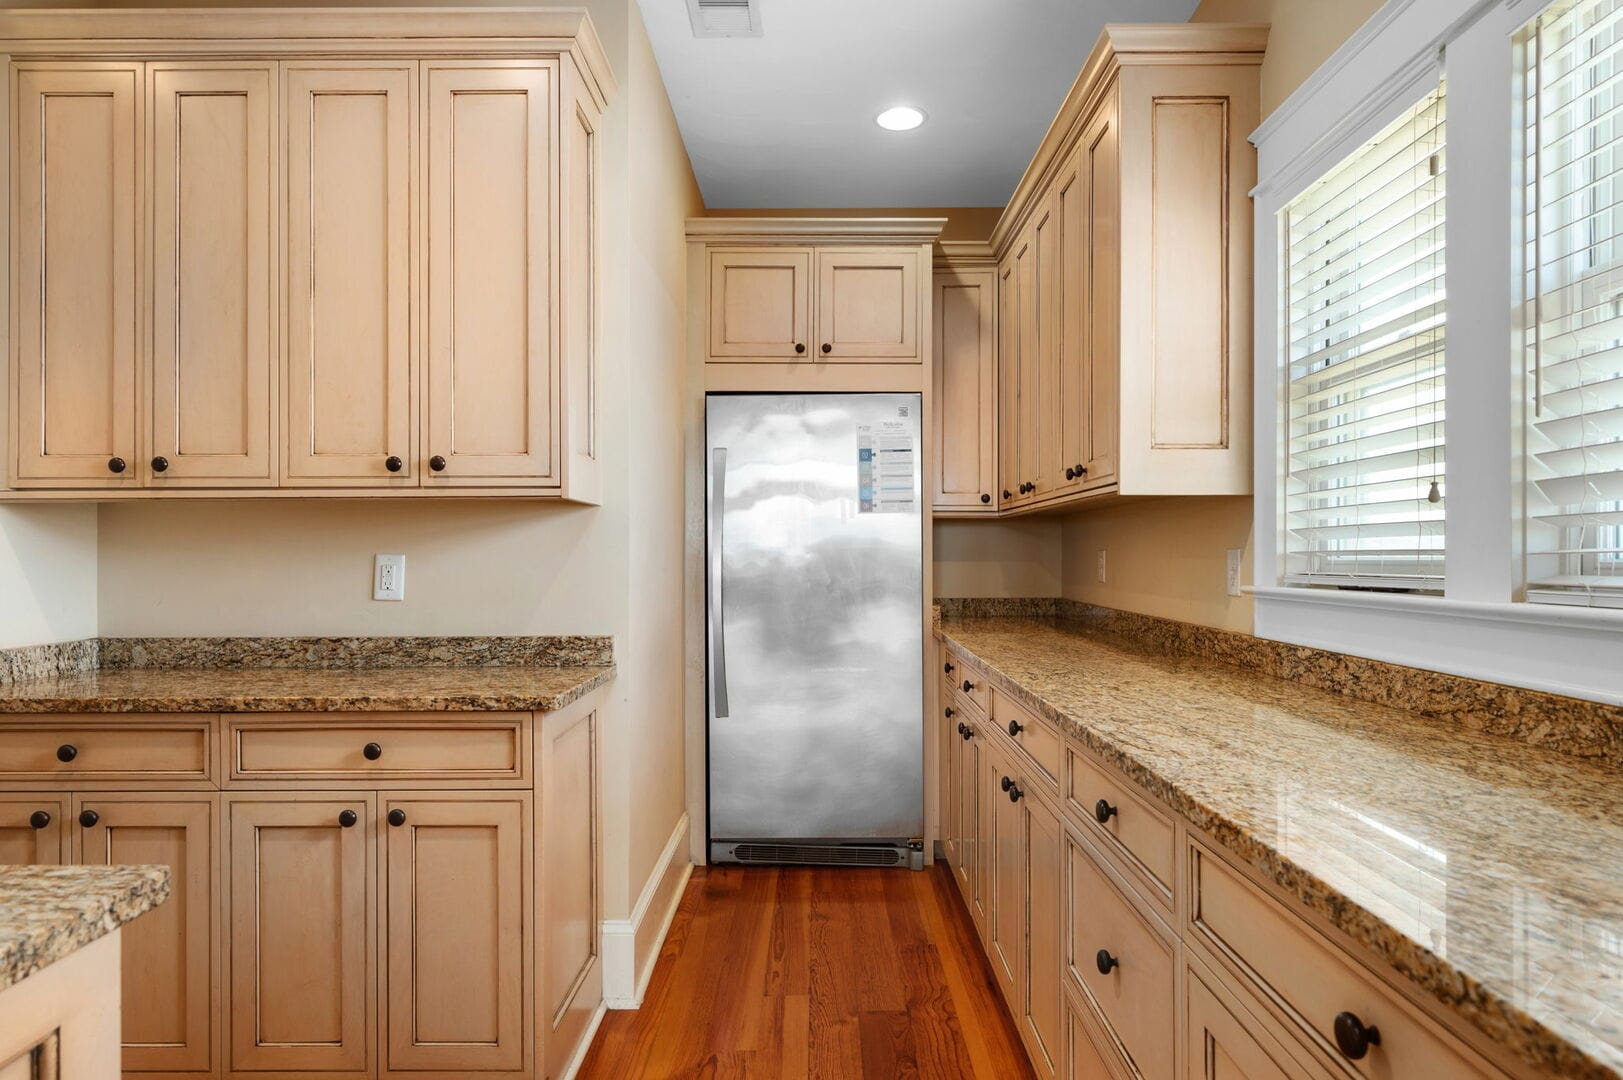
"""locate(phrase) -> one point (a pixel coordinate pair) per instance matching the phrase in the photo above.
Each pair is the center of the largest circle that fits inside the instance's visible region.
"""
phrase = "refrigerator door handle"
(718, 627)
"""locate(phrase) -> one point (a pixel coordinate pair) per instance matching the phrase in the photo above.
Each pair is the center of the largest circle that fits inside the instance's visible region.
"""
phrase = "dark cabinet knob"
(985, 498)
(66, 752)
(1081, 471)
(1105, 962)
(968, 686)
(1070, 474)
(1103, 811)
(160, 464)
(1353, 1039)
(827, 348)
(800, 346)
(115, 465)
(1006, 494)
(371, 751)
(1015, 793)
(347, 818)
(967, 732)
(437, 463)
(397, 818)
(88, 818)
(947, 667)
(393, 463)
(1006, 783)
(1015, 728)
(951, 712)
(39, 819)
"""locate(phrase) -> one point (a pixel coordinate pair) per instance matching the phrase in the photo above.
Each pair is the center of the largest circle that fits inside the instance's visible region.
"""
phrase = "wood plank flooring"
(823, 974)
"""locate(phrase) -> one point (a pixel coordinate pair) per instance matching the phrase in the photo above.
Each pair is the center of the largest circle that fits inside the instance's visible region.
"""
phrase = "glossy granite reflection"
(1487, 871)
(426, 689)
(47, 912)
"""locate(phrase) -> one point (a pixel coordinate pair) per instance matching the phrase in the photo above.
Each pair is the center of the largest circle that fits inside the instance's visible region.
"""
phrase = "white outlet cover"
(1101, 573)
(1233, 578)
(388, 577)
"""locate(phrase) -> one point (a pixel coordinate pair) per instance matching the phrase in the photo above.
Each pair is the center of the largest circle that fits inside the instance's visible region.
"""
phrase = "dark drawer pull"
(1353, 1039)
(1103, 811)
(88, 818)
(372, 751)
(397, 818)
(951, 712)
(1007, 783)
(66, 752)
(1015, 728)
(1105, 962)
(947, 667)
(1015, 794)
(39, 819)
(968, 686)
(347, 818)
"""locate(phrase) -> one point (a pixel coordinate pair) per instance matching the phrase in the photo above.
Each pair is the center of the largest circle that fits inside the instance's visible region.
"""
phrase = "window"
(1364, 324)
(1573, 302)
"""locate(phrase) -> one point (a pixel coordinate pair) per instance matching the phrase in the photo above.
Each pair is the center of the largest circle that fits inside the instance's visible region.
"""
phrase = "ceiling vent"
(725, 18)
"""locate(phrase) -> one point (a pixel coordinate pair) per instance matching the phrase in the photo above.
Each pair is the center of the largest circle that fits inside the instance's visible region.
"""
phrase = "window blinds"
(1364, 323)
(1573, 319)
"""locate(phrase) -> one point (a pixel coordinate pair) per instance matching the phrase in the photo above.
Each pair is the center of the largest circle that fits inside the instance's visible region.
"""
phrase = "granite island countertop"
(48, 912)
(1488, 872)
(510, 688)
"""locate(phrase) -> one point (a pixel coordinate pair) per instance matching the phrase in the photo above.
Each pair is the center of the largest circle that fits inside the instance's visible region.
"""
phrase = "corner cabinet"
(1123, 269)
(325, 253)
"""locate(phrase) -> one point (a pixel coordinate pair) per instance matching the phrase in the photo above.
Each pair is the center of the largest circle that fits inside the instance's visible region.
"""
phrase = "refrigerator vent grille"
(818, 854)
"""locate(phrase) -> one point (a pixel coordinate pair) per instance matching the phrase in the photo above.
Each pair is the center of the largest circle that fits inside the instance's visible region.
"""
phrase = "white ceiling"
(786, 119)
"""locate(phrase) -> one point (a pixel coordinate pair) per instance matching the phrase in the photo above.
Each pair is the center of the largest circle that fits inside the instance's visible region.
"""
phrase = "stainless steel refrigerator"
(815, 634)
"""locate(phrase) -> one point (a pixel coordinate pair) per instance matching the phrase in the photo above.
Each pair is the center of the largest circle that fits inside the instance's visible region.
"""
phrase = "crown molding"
(964, 253)
(878, 230)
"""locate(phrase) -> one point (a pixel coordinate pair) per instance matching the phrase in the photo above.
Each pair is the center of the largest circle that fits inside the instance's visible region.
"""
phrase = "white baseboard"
(572, 1066)
(625, 980)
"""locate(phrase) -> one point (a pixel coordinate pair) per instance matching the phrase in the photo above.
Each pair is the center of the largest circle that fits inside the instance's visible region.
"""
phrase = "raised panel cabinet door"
(1043, 843)
(760, 304)
(1006, 914)
(1008, 393)
(1221, 1047)
(951, 750)
(170, 961)
(454, 931)
(1030, 259)
(1070, 327)
(350, 414)
(570, 978)
(302, 934)
(492, 376)
(867, 304)
(76, 196)
(1048, 470)
(1083, 1058)
(213, 138)
(33, 829)
(965, 313)
(1101, 305)
(970, 809)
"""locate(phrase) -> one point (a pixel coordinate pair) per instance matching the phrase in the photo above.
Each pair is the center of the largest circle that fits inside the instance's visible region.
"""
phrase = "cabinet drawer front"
(298, 747)
(970, 683)
(1136, 995)
(1037, 737)
(132, 748)
(1312, 982)
(1133, 829)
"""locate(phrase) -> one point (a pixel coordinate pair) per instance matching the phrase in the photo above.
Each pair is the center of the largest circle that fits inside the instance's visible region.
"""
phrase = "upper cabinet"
(261, 273)
(964, 310)
(760, 303)
(1124, 276)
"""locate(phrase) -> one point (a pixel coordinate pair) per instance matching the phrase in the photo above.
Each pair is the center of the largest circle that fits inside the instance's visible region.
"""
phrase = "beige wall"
(1304, 33)
(1017, 557)
(47, 574)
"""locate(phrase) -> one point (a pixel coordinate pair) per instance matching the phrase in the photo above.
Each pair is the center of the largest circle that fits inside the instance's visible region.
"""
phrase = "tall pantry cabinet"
(337, 252)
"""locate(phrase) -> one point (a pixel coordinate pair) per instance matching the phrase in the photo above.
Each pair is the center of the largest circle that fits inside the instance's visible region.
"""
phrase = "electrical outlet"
(389, 577)
(1101, 572)
(1233, 581)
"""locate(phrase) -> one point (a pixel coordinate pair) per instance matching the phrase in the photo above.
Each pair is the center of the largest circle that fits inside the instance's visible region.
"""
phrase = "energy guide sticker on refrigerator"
(815, 628)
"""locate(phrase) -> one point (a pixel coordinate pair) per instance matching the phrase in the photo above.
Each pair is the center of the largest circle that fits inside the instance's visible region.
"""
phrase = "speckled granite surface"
(282, 689)
(1488, 872)
(355, 652)
(47, 912)
(45, 661)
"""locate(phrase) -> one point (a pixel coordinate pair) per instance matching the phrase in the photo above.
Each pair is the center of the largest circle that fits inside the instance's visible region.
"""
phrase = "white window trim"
(1478, 627)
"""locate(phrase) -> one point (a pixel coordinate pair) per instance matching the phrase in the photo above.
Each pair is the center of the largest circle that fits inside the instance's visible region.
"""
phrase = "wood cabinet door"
(76, 198)
(349, 368)
(1008, 393)
(492, 376)
(1026, 440)
(965, 313)
(569, 978)
(1070, 321)
(1221, 1047)
(951, 751)
(867, 304)
(213, 138)
(455, 925)
(760, 304)
(970, 808)
(33, 829)
(1042, 1017)
(1100, 305)
(1041, 410)
(302, 934)
(170, 959)
(1006, 915)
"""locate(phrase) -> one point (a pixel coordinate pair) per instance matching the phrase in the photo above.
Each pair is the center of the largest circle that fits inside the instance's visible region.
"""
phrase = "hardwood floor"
(827, 974)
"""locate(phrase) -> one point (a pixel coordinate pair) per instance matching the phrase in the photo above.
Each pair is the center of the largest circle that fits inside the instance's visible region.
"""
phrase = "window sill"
(1554, 648)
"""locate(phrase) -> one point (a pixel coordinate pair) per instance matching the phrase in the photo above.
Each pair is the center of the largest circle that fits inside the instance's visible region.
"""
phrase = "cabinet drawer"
(1312, 982)
(1037, 737)
(1107, 930)
(967, 682)
(128, 747)
(1127, 824)
(383, 747)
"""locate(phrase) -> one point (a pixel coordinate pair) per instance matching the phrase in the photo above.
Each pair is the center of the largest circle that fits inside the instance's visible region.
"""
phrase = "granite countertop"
(48, 912)
(288, 689)
(1487, 871)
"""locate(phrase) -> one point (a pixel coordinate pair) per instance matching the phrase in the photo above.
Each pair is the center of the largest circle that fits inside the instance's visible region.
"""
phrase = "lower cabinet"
(1220, 1047)
(33, 829)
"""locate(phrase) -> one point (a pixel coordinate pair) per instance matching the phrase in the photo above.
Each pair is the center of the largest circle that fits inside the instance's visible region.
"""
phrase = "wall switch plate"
(389, 577)
(1233, 581)
(1101, 572)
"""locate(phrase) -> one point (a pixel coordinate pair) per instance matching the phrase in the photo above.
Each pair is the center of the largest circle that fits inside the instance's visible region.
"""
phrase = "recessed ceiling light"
(900, 118)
